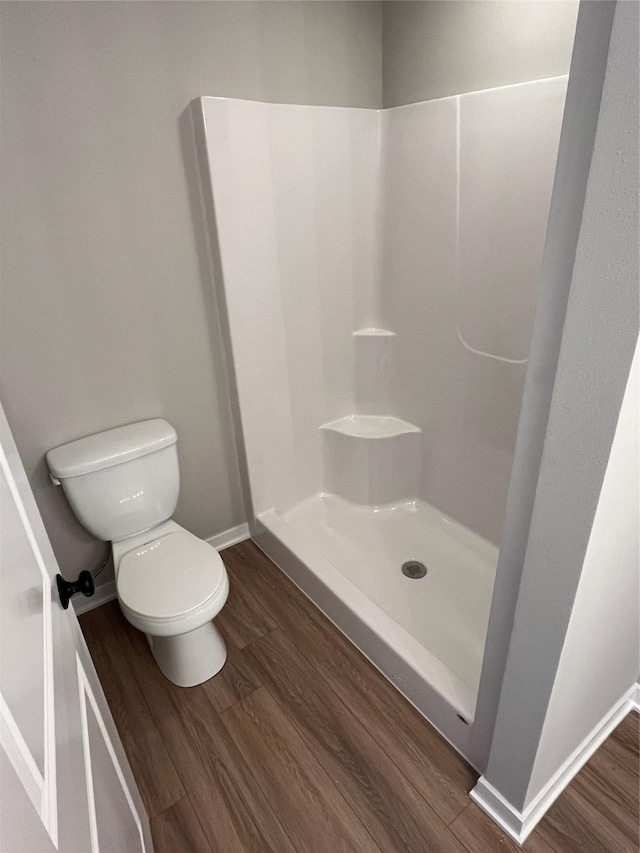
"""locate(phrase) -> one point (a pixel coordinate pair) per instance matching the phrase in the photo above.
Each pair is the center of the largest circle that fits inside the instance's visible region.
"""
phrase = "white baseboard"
(230, 537)
(107, 591)
(104, 592)
(519, 825)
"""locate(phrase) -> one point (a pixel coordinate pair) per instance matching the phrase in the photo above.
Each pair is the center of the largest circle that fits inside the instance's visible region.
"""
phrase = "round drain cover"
(414, 569)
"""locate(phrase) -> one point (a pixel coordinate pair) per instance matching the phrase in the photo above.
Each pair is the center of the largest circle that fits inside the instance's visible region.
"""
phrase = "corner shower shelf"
(374, 333)
(371, 426)
(371, 460)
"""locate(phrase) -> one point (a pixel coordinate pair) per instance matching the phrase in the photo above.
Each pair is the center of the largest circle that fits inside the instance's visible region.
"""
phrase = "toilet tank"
(122, 481)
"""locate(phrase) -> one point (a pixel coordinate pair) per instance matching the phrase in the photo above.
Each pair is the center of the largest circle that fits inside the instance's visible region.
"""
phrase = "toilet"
(123, 486)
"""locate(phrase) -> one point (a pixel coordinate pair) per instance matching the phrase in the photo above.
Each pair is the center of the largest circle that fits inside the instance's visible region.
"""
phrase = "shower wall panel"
(466, 191)
(508, 144)
(294, 192)
(380, 273)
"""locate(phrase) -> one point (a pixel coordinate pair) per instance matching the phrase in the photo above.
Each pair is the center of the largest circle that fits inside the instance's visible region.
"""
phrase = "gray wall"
(108, 313)
(582, 108)
(107, 310)
(600, 657)
(598, 341)
(438, 48)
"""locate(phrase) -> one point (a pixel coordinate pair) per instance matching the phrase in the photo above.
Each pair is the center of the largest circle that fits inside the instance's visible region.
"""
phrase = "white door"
(65, 781)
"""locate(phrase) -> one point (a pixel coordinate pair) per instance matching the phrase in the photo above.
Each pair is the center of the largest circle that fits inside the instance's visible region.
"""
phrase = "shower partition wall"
(380, 274)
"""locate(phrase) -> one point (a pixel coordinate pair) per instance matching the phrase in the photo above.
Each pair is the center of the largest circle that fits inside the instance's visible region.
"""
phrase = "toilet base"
(190, 659)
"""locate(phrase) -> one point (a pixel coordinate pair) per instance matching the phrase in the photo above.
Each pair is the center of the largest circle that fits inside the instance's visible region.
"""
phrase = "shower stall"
(379, 280)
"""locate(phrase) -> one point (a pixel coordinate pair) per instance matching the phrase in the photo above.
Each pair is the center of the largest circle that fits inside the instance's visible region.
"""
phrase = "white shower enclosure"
(379, 280)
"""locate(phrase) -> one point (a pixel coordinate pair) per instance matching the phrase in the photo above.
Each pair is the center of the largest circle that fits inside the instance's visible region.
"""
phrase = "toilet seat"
(171, 579)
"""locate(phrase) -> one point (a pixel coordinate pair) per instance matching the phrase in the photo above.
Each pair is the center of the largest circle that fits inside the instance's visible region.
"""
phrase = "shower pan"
(379, 279)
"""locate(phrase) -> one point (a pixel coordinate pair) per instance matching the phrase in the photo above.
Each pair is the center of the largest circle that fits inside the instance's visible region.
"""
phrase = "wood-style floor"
(299, 744)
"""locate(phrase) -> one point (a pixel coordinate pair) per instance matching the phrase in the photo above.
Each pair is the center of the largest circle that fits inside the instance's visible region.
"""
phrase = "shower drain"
(414, 569)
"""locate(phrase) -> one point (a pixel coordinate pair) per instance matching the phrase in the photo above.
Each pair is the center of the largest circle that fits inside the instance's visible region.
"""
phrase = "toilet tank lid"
(112, 447)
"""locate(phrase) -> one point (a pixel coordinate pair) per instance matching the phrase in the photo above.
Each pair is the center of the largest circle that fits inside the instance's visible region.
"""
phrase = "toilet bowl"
(123, 485)
(171, 587)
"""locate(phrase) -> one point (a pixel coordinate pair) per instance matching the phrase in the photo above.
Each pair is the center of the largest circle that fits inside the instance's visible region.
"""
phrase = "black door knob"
(66, 589)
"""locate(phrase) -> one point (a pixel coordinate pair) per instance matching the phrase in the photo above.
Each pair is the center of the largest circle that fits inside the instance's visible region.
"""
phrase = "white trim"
(86, 692)
(20, 755)
(86, 749)
(104, 593)
(519, 825)
(230, 537)
(107, 591)
(47, 807)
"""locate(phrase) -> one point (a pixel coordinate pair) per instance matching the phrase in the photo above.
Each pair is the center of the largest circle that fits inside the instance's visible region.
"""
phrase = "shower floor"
(447, 611)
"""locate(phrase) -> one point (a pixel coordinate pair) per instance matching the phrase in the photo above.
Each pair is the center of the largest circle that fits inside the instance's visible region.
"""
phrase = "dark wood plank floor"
(299, 744)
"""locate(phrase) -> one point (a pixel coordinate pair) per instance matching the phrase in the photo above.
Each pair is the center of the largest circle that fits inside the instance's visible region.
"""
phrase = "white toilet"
(123, 486)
